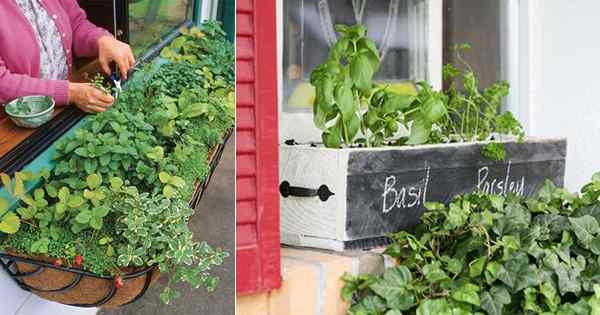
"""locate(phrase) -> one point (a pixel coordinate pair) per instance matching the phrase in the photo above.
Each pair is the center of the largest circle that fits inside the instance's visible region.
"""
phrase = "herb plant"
(352, 110)
(487, 254)
(118, 196)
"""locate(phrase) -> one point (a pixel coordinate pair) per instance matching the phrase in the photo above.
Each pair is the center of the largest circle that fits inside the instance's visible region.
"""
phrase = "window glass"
(482, 25)
(149, 20)
(398, 28)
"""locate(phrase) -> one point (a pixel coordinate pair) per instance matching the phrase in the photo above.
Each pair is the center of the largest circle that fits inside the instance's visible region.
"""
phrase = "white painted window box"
(377, 191)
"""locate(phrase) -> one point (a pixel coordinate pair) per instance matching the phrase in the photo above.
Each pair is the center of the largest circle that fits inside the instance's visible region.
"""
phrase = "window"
(480, 24)
(149, 20)
(399, 28)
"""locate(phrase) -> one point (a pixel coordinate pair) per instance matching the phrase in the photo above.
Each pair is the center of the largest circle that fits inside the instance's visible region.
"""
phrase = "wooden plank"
(11, 135)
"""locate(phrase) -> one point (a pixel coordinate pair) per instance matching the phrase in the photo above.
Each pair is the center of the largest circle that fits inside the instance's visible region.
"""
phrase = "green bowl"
(30, 111)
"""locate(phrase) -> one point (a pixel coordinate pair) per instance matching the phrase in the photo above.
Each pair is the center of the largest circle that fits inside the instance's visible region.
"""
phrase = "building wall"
(564, 83)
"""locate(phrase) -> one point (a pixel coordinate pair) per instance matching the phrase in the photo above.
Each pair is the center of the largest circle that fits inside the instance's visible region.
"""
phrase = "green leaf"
(345, 101)
(397, 102)
(115, 183)
(493, 301)
(27, 213)
(94, 181)
(361, 72)
(468, 293)
(434, 110)
(164, 177)
(518, 274)
(75, 202)
(585, 228)
(3, 205)
(84, 217)
(176, 181)
(63, 194)
(10, 223)
(100, 211)
(392, 287)
(168, 191)
(419, 131)
(6, 182)
(434, 307)
(434, 273)
(40, 246)
(96, 223)
(476, 267)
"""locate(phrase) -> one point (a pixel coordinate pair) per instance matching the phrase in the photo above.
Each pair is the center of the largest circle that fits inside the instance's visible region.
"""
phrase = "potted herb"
(112, 214)
(487, 254)
(384, 154)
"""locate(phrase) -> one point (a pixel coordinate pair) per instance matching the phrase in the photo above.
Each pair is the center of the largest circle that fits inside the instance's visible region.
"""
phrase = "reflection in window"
(149, 20)
(398, 28)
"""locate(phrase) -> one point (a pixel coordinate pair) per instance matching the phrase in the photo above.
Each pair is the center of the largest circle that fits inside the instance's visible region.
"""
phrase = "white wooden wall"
(15, 301)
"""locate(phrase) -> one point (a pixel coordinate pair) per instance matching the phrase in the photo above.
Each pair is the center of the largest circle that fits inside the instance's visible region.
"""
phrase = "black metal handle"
(286, 190)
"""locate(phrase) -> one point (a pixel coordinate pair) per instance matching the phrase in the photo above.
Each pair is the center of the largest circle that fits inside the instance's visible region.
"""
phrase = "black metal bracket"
(286, 190)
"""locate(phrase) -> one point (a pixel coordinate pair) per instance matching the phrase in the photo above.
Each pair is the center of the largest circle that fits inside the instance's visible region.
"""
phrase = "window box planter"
(341, 199)
(76, 287)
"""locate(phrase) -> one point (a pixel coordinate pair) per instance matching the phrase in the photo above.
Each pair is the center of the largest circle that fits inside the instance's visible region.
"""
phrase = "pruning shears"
(116, 79)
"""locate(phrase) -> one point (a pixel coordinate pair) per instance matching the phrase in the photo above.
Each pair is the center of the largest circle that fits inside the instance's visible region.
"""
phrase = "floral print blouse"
(53, 59)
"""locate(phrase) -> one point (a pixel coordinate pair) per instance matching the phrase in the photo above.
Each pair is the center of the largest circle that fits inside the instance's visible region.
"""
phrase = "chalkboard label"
(387, 189)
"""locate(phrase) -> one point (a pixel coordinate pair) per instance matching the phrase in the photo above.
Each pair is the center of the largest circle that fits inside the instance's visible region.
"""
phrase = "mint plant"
(118, 196)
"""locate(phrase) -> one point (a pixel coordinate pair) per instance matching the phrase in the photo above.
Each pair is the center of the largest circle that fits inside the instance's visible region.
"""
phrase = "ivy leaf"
(585, 228)
(518, 274)
(434, 273)
(476, 267)
(434, 307)
(468, 293)
(493, 301)
(10, 223)
(393, 288)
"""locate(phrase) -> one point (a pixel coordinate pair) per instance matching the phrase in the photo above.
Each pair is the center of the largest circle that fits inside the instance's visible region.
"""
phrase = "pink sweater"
(20, 52)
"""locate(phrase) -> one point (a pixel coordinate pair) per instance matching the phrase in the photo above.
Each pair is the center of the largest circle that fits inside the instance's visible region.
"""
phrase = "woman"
(37, 41)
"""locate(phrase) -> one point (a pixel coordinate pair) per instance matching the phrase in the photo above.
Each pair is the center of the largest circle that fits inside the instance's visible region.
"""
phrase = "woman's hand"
(88, 98)
(109, 50)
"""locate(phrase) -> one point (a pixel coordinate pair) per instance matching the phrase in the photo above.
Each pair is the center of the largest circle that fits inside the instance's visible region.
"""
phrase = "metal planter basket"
(76, 287)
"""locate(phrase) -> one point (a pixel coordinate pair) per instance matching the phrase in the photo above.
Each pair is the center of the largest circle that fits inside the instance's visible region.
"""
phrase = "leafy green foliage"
(488, 254)
(494, 151)
(351, 110)
(118, 194)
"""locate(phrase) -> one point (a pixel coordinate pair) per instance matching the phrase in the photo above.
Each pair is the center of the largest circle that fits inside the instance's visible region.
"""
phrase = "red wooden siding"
(258, 261)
